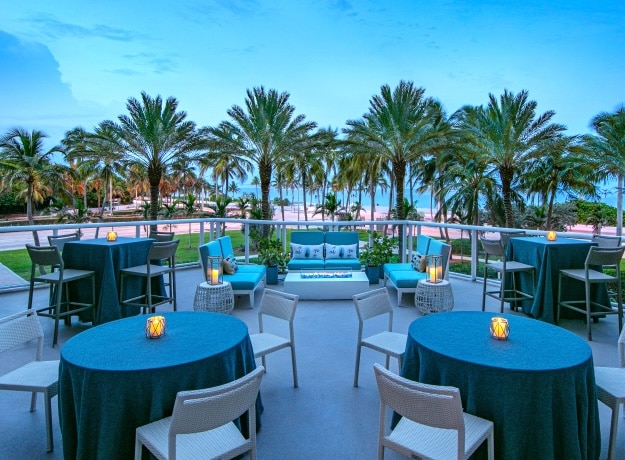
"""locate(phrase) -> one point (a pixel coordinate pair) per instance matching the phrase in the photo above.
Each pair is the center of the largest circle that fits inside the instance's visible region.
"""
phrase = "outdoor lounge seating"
(245, 280)
(404, 277)
(324, 250)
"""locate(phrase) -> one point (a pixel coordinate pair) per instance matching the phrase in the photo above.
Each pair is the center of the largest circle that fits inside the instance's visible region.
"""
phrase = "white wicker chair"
(611, 390)
(433, 424)
(37, 376)
(371, 304)
(205, 418)
(280, 305)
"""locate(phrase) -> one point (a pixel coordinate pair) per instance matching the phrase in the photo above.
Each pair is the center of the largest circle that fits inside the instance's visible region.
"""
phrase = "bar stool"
(597, 257)
(504, 267)
(58, 277)
(159, 251)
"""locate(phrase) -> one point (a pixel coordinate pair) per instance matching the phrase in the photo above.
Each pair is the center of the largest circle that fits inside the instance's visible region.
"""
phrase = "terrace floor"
(326, 417)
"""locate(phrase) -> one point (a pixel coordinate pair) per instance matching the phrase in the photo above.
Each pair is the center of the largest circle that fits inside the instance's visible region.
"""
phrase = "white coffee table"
(326, 288)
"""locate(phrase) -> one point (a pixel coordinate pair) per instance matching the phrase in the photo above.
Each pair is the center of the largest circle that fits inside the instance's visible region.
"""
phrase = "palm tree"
(401, 125)
(24, 162)
(155, 135)
(265, 132)
(565, 168)
(609, 147)
(510, 134)
(188, 210)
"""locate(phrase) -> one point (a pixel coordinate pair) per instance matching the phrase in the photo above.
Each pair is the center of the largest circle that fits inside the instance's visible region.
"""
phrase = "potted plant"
(272, 255)
(374, 257)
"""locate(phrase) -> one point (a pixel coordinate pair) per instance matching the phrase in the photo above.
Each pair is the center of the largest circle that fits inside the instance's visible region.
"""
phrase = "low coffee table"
(326, 284)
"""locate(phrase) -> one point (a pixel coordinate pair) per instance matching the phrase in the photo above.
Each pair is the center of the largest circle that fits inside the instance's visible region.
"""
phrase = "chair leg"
(484, 289)
(357, 366)
(57, 309)
(294, 364)
(48, 410)
(559, 298)
(502, 291)
(588, 318)
(172, 288)
(613, 431)
(619, 304)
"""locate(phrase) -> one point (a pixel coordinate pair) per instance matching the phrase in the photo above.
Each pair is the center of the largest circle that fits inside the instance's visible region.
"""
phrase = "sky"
(67, 63)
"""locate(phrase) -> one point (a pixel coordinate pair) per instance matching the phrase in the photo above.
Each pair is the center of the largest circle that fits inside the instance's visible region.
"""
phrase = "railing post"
(474, 255)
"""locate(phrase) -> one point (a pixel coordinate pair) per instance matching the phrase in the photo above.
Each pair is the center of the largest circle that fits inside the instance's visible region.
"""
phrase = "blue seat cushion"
(242, 281)
(406, 278)
(304, 264)
(352, 264)
(397, 267)
(252, 268)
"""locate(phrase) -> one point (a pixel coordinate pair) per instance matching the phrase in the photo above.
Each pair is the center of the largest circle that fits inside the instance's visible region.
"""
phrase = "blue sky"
(75, 63)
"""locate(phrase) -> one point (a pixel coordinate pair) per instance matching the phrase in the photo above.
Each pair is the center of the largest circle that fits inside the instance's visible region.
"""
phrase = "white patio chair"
(433, 424)
(611, 391)
(280, 305)
(369, 305)
(205, 419)
(36, 376)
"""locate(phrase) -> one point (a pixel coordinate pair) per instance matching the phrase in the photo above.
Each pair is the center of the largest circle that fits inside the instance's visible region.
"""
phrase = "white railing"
(15, 237)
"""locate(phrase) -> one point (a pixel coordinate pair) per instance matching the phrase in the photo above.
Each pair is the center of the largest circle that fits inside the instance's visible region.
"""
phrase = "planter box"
(272, 275)
(373, 273)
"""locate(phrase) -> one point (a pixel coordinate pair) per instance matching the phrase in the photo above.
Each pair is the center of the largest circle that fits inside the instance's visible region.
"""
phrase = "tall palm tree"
(565, 168)
(265, 131)
(154, 135)
(509, 133)
(609, 148)
(401, 125)
(24, 162)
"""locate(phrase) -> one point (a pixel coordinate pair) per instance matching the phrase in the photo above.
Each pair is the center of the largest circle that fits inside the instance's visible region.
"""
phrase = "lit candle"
(432, 274)
(111, 236)
(551, 235)
(214, 276)
(155, 327)
(499, 328)
(439, 272)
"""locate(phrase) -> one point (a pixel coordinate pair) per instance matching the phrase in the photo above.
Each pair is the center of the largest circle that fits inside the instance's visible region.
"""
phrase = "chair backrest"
(605, 256)
(212, 248)
(163, 250)
(60, 240)
(423, 244)
(44, 256)
(162, 236)
(226, 246)
(202, 410)
(621, 347)
(21, 328)
(431, 405)
(278, 304)
(492, 248)
(604, 241)
(505, 236)
(372, 303)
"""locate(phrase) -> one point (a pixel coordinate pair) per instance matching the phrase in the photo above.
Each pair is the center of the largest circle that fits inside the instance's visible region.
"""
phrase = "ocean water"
(422, 201)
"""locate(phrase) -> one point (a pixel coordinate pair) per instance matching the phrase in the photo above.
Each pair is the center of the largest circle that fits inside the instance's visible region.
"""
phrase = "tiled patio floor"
(326, 417)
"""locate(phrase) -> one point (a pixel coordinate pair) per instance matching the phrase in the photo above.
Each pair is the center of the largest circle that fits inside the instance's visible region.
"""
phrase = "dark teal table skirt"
(112, 379)
(106, 259)
(549, 257)
(538, 387)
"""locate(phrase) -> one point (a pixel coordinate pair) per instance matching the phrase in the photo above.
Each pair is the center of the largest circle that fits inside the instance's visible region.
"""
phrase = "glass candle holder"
(155, 327)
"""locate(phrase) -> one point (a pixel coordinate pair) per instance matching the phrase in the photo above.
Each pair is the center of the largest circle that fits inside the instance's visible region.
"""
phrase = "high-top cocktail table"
(325, 286)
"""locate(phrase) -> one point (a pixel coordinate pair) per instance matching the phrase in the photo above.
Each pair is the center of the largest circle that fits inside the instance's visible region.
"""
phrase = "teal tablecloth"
(549, 257)
(106, 259)
(112, 379)
(538, 387)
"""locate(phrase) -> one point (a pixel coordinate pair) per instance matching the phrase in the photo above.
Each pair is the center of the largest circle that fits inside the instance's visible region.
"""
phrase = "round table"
(217, 298)
(538, 387)
(112, 379)
(433, 297)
